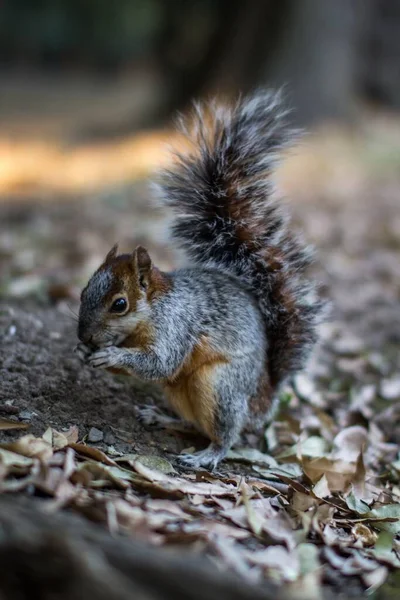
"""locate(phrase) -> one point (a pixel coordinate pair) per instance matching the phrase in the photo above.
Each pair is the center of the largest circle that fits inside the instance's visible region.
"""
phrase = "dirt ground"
(48, 250)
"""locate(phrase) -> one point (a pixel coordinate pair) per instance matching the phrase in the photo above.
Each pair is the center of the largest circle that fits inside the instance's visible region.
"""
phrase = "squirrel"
(222, 334)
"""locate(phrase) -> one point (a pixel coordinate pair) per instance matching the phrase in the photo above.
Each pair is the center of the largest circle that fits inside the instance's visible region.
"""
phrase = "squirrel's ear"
(143, 264)
(112, 254)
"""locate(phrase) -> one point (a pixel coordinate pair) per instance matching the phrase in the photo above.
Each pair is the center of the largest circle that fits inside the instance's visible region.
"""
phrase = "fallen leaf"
(279, 562)
(289, 470)
(386, 517)
(12, 459)
(97, 475)
(356, 504)
(349, 444)
(72, 434)
(151, 461)
(364, 534)
(251, 456)
(93, 453)
(30, 446)
(179, 484)
(338, 473)
(6, 424)
(234, 558)
(55, 438)
(321, 488)
(384, 549)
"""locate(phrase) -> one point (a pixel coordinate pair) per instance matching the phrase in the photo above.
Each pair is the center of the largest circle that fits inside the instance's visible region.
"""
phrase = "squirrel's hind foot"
(208, 458)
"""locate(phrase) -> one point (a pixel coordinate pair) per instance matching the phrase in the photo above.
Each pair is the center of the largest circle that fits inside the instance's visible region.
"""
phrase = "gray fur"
(92, 300)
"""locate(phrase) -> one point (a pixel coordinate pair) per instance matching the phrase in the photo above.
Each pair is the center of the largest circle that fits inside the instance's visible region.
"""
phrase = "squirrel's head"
(118, 296)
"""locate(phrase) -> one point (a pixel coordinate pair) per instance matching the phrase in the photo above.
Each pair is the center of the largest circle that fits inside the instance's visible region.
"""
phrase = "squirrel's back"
(225, 217)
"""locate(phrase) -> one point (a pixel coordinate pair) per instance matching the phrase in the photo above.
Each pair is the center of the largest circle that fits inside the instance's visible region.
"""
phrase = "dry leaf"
(6, 424)
(30, 446)
(363, 533)
(179, 484)
(349, 444)
(97, 475)
(284, 565)
(251, 456)
(321, 488)
(157, 463)
(12, 459)
(93, 453)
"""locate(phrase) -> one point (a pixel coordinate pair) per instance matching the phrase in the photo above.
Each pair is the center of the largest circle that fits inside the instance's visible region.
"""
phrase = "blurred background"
(78, 74)
(88, 89)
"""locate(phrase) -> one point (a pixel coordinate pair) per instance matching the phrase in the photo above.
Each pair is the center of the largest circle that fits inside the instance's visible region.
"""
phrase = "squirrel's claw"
(83, 351)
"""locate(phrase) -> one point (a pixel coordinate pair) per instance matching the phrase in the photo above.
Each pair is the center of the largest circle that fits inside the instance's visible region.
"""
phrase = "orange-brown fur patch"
(191, 390)
(159, 283)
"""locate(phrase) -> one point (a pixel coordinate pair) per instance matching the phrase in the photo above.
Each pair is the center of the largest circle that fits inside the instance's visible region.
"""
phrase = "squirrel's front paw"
(106, 357)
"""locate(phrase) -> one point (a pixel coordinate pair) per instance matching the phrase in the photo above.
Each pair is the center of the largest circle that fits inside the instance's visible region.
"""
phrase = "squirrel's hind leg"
(230, 416)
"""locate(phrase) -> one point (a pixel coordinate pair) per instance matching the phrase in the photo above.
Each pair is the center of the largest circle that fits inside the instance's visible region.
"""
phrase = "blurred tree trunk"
(309, 46)
(317, 58)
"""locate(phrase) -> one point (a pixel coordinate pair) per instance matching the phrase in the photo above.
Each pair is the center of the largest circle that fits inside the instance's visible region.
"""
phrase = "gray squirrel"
(222, 334)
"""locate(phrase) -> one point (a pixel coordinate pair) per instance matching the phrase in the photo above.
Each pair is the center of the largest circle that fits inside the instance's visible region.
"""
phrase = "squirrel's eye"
(119, 305)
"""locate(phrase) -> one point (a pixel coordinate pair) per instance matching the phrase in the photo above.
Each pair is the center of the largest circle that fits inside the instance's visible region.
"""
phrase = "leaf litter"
(308, 504)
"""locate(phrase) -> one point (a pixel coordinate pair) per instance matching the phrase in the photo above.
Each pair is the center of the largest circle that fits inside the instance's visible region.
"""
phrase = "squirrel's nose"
(85, 336)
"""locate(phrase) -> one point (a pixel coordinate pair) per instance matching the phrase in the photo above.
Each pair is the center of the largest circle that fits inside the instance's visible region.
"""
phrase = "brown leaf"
(97, 475)
(364, 534)
(12, 459)
(155, 462)
(55, 438)
(182, 485)
(30, 446)
(349, 443)
(251, 456)
(338, 473)
(207, 528)
(93, 453)
(303, 502)
(72, 434)
(6, 424)
(321, 488)
(60, 439)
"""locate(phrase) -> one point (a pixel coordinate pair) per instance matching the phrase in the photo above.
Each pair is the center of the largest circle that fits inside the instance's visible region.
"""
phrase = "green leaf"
(291, 470)
(252, 456)
(356, 504)
(313, 447)
(386, 511)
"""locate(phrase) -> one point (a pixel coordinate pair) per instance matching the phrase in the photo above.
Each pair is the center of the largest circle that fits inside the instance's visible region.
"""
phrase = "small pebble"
(26, 415)
(109, 438)
(95, 435)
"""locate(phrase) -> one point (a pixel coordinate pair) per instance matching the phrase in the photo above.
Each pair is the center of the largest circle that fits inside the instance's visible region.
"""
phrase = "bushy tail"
(221, 192)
